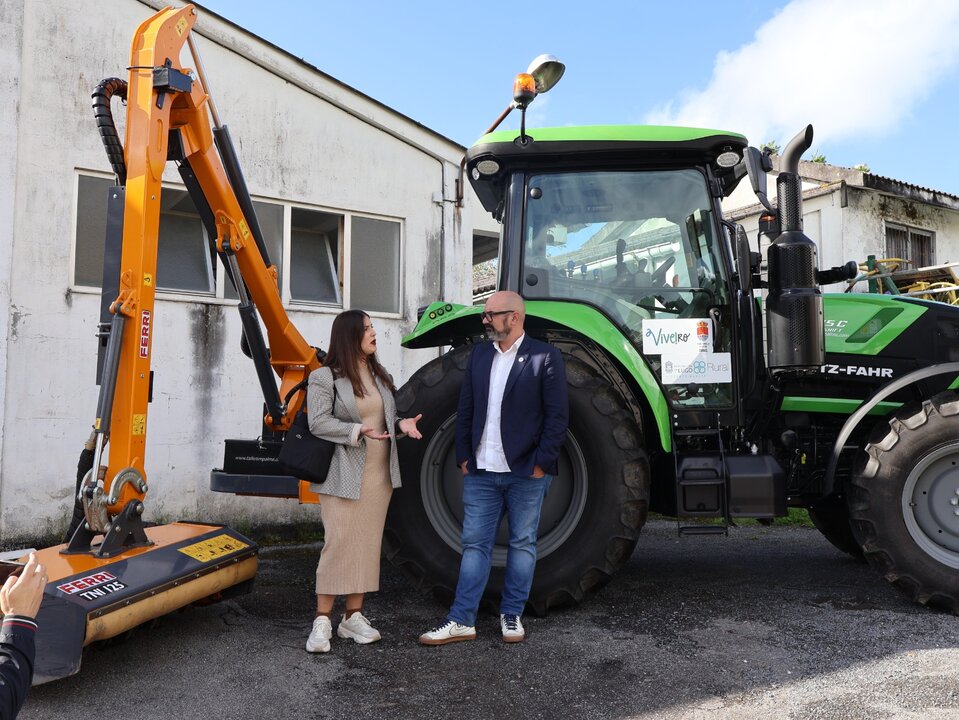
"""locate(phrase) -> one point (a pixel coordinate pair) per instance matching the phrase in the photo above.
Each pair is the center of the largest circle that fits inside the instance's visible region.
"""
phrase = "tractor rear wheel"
(904, 501)
(591, 517)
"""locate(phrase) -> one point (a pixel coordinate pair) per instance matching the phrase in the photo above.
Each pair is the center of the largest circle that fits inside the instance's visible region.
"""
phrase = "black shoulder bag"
(304, 455)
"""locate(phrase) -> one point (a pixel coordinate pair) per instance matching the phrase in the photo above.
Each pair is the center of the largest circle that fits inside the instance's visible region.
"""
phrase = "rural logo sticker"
(685, 368)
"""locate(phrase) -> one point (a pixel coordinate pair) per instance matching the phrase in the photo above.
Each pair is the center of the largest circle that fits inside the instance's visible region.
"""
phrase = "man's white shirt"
(490, 455)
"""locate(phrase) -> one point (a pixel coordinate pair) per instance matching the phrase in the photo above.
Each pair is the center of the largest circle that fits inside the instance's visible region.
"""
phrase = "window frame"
(217, 297)
(910, 230)
(401, 263)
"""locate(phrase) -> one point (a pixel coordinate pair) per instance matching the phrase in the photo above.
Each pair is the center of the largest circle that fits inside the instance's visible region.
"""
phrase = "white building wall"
(822, 221)
(11, 38)
(849, 222)
(301, 137)
(868, 212)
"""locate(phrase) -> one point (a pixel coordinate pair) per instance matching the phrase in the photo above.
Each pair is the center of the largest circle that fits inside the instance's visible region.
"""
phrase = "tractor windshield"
(640, 246)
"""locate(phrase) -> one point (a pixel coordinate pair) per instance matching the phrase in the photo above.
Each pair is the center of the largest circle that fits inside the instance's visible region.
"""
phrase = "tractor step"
(700, 485)
(696, 432)
(702, 489)
(704, 529)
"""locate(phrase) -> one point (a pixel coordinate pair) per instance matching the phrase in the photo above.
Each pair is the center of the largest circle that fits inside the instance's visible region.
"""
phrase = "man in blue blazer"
(510, 426)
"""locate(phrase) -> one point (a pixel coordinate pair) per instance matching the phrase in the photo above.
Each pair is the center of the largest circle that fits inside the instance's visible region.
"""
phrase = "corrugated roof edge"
(826, 173)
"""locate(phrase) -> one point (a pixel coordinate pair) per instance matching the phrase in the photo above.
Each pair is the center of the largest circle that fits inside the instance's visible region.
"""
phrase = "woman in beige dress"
(350, 402)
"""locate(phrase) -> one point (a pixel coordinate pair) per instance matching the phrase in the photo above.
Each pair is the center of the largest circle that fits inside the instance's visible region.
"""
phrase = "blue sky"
(878, 79)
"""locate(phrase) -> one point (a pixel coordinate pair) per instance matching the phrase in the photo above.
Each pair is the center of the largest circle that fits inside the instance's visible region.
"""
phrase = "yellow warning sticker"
(244, 230)
(139, 424)
(214, 547)
(180, 26)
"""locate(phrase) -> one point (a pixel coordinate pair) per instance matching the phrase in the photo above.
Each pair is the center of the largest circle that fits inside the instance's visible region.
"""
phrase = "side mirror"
(744, 260)
(837, 274)
(758, 163)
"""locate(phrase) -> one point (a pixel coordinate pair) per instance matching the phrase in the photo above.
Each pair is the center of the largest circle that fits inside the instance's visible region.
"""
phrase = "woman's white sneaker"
(357, 628)
(319, 639)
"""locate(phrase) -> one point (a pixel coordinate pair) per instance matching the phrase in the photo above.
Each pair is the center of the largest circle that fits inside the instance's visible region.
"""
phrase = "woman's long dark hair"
(344, 356)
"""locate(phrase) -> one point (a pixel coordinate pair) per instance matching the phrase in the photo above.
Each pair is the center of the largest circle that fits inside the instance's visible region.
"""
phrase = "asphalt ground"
(767, 623)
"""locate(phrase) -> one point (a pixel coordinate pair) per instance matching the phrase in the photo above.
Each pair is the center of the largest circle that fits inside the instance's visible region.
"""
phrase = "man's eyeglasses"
(490, 314)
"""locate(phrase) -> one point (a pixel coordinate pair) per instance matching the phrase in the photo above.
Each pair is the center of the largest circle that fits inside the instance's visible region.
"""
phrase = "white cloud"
(850, 67)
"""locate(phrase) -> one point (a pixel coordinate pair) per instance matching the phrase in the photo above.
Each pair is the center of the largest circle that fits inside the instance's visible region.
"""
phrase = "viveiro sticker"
(680, 335)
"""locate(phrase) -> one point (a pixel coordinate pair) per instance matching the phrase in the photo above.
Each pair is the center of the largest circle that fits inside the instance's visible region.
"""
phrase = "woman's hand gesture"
(373, 434)
(408, 426)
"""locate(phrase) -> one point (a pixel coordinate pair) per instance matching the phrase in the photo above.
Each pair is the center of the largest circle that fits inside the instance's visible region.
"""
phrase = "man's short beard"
(495, 335)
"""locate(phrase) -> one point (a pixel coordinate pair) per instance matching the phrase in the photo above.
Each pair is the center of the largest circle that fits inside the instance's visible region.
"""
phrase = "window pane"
(638, 245)
(314, 256)
(270, 217)
(912, 244)
(897, 242)
(91, 229)
(922, 250)
(375, 265)
(643, 248)
(183, 254)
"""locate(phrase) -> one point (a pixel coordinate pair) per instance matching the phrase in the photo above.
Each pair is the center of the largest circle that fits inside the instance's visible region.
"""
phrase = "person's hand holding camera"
(22, 594)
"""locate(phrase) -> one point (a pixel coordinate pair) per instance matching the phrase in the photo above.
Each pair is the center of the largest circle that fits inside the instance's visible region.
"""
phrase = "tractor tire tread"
(864, 489)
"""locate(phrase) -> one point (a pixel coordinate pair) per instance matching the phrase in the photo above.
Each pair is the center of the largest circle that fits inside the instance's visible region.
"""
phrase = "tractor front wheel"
(904, 501)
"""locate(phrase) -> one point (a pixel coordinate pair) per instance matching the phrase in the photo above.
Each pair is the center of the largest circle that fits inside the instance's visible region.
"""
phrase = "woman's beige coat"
(341, 424)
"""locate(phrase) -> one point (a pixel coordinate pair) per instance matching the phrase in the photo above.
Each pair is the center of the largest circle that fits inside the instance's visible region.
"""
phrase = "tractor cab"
(599, 216)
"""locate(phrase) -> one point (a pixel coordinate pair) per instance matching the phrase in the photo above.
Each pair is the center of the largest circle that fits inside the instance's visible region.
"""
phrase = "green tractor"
(615, 238)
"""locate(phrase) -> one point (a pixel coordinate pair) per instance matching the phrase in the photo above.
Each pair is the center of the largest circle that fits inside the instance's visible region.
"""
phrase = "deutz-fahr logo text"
(858, 370)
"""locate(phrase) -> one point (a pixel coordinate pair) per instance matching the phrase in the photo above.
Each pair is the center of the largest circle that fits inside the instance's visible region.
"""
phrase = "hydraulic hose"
(102, 96)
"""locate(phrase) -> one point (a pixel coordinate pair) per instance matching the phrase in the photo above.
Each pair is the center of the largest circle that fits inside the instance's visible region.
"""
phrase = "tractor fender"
(852, 422)
(443, 323)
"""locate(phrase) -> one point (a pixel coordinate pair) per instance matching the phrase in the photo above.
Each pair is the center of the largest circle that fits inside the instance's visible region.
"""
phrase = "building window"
(908, 243)
(314, 256)
(184, 262)
(91, 230)
(309, 248)
(375, 265)
(270, 218)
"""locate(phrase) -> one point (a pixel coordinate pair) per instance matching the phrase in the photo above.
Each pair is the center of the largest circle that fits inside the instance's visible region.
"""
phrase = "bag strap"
(302, 384)
(299, 386)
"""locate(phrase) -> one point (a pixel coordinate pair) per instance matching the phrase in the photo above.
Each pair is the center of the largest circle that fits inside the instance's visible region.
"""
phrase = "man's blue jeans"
(486, 497)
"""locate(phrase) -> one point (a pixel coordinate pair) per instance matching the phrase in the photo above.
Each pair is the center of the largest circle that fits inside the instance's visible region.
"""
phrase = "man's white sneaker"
(357, 628)
(319, 639)
(513, 630)
(448, 632)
